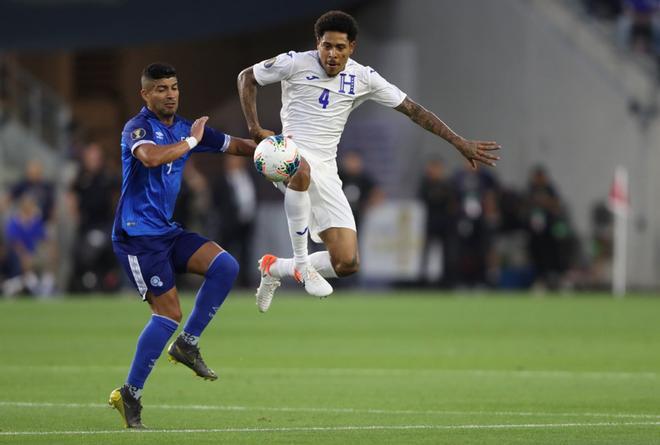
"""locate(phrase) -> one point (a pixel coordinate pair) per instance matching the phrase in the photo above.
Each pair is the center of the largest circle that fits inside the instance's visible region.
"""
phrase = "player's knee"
(166, 305)
(226, 266)
(347, 267)
(173, 313)
(300, 181)
(232, 267)
(177, 315)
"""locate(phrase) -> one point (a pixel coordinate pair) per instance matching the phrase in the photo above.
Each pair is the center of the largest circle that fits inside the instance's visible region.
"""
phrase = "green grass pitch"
(397, 368)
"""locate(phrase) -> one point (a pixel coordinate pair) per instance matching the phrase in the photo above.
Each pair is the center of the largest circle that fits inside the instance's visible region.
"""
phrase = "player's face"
(162, 96)
(334, 51)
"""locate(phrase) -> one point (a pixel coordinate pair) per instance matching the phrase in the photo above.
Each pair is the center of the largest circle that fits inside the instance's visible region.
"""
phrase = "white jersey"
(315, 106)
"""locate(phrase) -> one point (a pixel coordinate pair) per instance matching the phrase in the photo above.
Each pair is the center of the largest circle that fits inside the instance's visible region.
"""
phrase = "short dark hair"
(337, 21)
(158, 70)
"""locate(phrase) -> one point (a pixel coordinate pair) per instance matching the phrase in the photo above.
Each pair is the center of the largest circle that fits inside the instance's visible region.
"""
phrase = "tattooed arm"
(247, 92)
(473, 151)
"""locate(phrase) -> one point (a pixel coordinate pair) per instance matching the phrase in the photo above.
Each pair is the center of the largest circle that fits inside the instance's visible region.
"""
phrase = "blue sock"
(153, 339)
(219, 279)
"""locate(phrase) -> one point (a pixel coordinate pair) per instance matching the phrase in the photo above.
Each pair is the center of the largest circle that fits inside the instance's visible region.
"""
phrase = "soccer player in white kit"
(320, 88)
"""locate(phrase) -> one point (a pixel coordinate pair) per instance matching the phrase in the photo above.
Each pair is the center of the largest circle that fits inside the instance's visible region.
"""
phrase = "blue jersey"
(26, 233)
(148, 195)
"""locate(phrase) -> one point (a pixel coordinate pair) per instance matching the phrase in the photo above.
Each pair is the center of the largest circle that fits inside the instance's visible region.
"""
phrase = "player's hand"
(197, 128)
(260, 134)
(479, 151)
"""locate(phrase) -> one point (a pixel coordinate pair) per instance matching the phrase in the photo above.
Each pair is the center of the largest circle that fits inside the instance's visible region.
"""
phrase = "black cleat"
(130, 408)
(187, 354)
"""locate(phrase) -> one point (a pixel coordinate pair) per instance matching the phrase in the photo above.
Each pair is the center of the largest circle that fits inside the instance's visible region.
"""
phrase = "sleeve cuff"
(257, 76)
(401, 101)
(225, 146)
(138, 143)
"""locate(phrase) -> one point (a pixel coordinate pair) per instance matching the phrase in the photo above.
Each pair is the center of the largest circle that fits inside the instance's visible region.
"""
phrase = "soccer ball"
(277, 158)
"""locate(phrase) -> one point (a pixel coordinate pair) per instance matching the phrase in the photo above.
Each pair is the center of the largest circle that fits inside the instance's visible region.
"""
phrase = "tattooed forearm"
(247, 92)
(474, 151)
(427, 120)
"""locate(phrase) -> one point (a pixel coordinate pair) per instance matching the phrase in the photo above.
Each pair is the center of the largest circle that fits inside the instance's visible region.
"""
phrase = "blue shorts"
(152, 261)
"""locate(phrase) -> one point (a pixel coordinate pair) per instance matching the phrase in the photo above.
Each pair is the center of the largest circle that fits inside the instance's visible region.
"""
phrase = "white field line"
(339, 428)
(338, 410)
(597, 375)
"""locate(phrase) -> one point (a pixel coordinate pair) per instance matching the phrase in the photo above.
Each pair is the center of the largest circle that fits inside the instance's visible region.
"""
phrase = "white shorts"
(330, 207)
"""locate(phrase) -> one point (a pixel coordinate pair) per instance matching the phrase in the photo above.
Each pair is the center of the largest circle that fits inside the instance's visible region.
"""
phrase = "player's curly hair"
(337, 21)
(158, 70)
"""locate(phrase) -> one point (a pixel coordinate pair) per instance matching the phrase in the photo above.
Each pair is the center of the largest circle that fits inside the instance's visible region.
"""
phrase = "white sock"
(12, 286)
(31, 281)
(283, 267)
(298, 208)
(322, 264)
(47, 284)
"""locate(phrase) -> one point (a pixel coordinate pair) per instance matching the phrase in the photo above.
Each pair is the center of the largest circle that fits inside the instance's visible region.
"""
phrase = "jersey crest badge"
(138, 133)
(156, 281)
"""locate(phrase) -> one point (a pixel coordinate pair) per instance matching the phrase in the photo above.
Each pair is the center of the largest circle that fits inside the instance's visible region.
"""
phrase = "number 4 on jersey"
(324, 98)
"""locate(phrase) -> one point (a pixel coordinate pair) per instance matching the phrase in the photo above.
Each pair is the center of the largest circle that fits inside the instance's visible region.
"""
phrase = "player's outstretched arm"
(473, 151)
(241, 147)
(152, 155)
(247, 91)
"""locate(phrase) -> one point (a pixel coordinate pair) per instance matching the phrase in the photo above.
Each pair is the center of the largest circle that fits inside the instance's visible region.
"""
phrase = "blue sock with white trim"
(219, 280)
(153, 339)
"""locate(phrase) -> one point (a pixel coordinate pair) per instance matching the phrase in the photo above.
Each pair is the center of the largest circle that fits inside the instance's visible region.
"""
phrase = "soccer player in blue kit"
(155, 145)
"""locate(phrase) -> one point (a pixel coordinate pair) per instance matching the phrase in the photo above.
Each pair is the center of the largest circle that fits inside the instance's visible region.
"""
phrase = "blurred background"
(568, 87)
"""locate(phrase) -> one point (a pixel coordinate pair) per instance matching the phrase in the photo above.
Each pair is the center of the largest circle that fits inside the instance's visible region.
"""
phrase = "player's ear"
(351, 47)
(147, 86)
